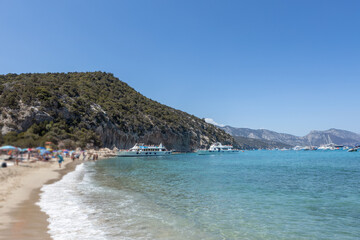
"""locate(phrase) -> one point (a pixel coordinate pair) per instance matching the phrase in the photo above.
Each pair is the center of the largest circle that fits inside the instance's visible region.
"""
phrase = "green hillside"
(93, 109)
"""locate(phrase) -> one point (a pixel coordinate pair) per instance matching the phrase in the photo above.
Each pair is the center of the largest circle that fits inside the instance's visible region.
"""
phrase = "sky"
(288, 66)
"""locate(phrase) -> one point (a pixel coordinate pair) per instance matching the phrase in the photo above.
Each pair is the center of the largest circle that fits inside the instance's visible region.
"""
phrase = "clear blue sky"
(289, 66)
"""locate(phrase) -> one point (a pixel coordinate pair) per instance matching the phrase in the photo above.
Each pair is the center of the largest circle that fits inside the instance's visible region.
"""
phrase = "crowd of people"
(18, 155)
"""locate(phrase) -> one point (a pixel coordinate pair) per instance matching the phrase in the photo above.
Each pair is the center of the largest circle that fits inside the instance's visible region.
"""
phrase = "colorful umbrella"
(8, 148)
(42, 152)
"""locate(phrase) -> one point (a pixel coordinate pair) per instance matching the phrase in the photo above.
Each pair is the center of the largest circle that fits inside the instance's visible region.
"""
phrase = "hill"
(93, 109)
(337, 136)
(264, 135)
(252, 143)
(314, 138)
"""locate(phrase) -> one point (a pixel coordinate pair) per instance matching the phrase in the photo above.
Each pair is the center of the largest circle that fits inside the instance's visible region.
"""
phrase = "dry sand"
(20, 217)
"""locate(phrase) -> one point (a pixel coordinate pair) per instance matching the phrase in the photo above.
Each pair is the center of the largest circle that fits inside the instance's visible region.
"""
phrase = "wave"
(69, 218)
(88, 204)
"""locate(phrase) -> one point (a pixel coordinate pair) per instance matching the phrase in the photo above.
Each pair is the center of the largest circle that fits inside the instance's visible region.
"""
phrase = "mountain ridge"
(314, 138)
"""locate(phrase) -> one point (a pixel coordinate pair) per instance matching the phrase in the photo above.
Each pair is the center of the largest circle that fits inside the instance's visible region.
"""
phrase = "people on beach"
(61, 159)
(32, 155)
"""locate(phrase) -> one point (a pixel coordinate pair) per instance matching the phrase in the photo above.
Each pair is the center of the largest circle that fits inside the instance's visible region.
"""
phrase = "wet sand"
(20, 217)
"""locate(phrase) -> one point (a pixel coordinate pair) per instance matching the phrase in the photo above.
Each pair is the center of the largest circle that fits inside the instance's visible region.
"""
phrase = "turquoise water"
(250, 195)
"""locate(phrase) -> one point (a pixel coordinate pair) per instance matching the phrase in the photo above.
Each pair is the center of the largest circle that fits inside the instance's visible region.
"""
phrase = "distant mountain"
(337, 136)
(248, 142)
(252, 143)
(263, 134)
(314, 138)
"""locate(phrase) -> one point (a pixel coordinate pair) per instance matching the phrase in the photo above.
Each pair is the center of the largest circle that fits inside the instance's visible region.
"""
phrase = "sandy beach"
(20, 217)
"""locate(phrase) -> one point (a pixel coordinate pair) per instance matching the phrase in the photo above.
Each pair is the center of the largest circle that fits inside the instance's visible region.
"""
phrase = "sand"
(20, 217)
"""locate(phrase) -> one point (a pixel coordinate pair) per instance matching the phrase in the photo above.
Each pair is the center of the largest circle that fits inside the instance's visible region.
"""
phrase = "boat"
(306, 148)
(140, 149)
(326, 147)
(309, 148)
(329, 144)
(217, 148)
(352, 150)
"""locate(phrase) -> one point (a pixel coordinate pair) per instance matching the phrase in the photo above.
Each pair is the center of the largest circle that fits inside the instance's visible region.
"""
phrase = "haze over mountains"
(314, 138)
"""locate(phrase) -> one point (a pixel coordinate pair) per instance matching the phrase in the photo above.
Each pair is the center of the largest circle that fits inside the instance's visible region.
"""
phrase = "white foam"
(68, 217)
(82, 206)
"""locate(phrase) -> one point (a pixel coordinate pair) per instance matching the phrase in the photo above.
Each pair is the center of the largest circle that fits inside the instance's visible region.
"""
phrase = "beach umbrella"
(41, 148)
(42, 152)
(8, 148)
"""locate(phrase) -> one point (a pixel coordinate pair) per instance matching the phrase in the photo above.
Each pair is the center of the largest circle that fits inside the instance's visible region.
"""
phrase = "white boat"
(306, 148)
(218, 148)
(329, 146)
(297, 148)
(143, 150)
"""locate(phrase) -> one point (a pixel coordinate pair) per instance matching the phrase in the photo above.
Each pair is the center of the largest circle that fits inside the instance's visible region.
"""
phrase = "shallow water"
(250, 195)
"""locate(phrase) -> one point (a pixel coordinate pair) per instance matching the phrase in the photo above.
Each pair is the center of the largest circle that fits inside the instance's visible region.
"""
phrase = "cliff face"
(94, 108)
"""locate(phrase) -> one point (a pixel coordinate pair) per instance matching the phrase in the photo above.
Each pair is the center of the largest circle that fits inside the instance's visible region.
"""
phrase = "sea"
(248, 195)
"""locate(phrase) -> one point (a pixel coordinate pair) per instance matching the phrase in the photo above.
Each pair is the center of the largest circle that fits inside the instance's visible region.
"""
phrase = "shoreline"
(20, 217)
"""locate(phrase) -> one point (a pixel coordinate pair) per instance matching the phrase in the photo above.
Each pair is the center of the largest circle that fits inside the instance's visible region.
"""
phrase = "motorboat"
(217, 148)
(140, 149)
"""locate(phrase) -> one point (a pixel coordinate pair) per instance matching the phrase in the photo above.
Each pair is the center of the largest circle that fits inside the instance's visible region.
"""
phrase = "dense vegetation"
(70, 108)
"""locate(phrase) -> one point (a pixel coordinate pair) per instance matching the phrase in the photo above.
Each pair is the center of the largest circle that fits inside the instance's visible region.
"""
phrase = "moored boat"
(140, 149)
(329, 146)
(217, 148)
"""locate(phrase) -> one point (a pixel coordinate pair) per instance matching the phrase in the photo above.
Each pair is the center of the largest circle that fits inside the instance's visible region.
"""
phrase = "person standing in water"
(61, 159)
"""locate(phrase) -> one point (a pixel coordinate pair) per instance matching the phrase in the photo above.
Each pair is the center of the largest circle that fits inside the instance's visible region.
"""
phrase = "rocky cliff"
(93, 109)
